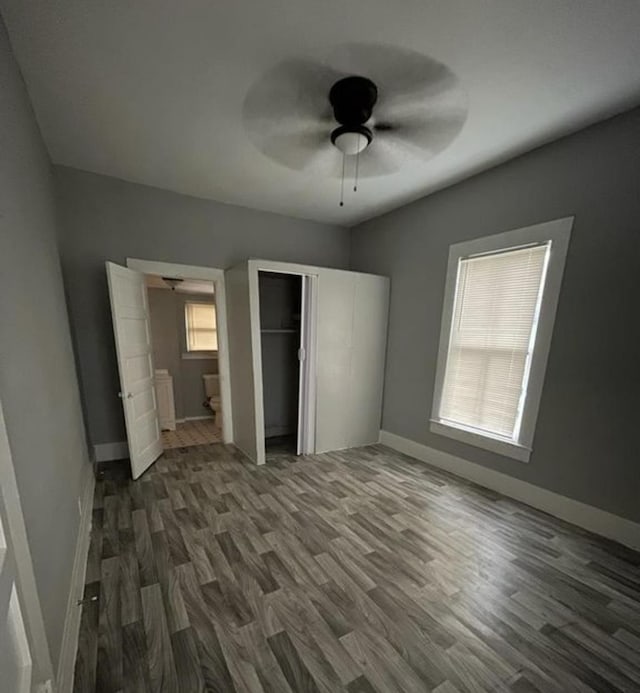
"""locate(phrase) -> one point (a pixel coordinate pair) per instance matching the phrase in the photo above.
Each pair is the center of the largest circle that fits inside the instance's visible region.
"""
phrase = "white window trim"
(197, 353)
(559, 233)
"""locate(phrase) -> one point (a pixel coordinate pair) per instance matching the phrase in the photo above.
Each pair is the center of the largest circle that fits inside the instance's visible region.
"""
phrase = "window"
(500, 302)
(495, 316)
(200, 320)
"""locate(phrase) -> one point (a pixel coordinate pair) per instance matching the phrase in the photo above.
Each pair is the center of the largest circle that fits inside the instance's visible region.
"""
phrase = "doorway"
(182, 315)
(280, 330)
(217, 278)
(134, 352)
(287, 366)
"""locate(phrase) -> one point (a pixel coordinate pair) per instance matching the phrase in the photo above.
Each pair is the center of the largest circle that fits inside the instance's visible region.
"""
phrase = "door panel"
(336, 300)
(352, 336)
(130, 315)
(369, 343)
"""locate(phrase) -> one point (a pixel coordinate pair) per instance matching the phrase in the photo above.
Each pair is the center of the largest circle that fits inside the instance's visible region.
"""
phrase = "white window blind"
(201, 329)
(495, 315)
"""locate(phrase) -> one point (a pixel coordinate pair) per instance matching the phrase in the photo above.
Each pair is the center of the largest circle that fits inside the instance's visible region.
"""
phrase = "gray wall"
(166, 309)
(104, 218)
(586, 443)
(38, 384)
(164, 338)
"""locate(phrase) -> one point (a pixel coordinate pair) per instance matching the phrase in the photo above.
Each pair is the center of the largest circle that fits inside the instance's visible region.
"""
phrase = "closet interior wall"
(280, 319)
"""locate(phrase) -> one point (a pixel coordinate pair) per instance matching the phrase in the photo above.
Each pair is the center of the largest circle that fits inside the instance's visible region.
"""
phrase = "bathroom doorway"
(134, 351)
(184, 338)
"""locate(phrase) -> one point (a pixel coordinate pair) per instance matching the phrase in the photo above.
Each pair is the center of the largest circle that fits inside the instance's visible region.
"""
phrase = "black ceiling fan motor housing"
(353, 99)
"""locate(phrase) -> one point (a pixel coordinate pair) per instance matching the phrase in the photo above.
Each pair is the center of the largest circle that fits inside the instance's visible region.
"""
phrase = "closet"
(340, 332)
(280, 301)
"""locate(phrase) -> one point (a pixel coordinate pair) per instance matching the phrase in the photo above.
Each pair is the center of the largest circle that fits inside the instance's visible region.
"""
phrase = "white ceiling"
(152, 90)
(186, 286)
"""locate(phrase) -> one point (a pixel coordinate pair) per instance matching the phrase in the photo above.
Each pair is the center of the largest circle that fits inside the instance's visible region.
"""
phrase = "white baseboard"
(586, 516)
(105, 452)
(69, 646)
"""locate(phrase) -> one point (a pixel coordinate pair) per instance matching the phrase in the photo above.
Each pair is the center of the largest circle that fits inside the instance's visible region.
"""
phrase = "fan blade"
(399, 73)
(263, 128)
(453, 102)
(426, 134)
(287, 114)
(295, 149)
(380, 158)
(297, 89)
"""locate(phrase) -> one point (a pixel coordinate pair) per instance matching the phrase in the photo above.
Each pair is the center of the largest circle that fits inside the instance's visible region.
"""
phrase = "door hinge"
(301, 355)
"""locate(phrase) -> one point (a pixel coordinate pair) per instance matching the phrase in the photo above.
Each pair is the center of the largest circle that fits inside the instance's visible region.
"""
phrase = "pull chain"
(355, 181)
(342, 182)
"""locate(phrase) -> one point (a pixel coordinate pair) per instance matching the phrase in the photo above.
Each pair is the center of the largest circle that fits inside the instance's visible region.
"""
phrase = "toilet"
(212, 393)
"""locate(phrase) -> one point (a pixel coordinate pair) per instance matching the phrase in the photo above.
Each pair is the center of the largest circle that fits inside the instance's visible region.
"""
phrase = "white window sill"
(195, 355)
(497, 445)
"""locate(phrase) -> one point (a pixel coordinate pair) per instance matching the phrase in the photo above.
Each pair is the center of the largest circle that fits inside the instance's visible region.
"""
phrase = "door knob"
(122, 396)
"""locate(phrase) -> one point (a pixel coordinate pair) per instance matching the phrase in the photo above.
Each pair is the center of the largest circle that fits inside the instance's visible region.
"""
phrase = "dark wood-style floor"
(358, 571)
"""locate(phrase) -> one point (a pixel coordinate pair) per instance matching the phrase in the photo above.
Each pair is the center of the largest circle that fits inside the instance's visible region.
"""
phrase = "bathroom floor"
(201, 432)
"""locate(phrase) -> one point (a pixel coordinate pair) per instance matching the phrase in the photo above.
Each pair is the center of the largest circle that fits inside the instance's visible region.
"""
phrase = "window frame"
(197, 353)
(558, 233)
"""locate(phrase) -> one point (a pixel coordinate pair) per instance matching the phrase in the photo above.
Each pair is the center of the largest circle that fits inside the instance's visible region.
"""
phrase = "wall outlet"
(46, 687)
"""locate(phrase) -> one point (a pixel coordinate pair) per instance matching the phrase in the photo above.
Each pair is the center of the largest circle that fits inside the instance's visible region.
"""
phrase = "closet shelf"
(279, 331)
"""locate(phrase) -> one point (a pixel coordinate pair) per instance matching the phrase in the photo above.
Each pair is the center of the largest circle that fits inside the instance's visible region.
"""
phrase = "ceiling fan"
(374, 107)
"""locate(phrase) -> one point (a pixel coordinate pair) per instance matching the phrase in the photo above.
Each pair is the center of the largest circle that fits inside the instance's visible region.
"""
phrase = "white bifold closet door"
(350, 332)
(352, 338)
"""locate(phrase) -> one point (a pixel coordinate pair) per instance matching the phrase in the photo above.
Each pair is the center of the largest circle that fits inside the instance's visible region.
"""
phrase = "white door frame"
(306, 408)
(170, 269)
(16, 535)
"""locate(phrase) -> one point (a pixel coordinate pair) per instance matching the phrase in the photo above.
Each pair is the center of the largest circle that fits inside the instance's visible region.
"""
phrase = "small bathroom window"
(201, 331)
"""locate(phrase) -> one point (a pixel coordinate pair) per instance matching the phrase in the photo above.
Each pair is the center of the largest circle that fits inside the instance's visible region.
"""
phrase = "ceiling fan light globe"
(350, 142)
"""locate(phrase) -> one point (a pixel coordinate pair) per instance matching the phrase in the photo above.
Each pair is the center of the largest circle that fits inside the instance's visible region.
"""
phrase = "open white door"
(15, 656)
(130, 314)
(15, 652)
